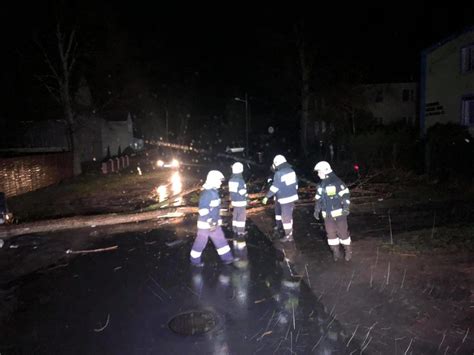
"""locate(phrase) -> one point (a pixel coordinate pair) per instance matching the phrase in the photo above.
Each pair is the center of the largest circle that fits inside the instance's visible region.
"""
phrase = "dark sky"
(228, 49)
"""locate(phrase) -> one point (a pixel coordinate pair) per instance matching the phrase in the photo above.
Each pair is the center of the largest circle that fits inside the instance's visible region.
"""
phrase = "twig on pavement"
(70, 251)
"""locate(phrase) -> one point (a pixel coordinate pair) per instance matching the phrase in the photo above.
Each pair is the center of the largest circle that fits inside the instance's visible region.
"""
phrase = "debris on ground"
(69, 251)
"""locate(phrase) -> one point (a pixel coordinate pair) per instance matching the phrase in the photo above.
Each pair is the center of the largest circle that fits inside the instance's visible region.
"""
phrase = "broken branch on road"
(69, 251)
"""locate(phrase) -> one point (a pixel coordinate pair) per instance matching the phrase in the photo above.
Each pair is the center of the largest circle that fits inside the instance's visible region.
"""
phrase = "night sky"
(217, 52)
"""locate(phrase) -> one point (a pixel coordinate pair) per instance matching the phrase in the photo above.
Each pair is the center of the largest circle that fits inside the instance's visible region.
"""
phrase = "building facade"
(392, 102)
(447, 82)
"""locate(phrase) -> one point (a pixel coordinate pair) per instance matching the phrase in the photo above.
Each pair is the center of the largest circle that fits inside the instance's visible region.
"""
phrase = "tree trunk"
(305, 89)
(72, 130)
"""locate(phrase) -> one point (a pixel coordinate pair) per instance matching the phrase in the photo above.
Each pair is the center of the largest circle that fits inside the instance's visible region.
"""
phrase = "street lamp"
(246, 101)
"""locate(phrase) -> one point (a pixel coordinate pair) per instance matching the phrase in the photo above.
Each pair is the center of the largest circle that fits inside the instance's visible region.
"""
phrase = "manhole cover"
(193, 323)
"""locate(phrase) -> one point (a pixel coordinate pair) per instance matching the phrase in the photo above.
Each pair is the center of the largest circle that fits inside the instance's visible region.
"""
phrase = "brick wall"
(26, 173)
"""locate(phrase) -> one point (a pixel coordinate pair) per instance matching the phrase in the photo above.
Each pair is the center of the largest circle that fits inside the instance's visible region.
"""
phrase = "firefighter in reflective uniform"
(285, 188)
(332, 201)
(238, 198)
(209, 222)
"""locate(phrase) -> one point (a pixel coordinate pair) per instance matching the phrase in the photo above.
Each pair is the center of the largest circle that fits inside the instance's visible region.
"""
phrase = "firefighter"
(238, 198)
(285, 188)
(209, 222)
(332, 201)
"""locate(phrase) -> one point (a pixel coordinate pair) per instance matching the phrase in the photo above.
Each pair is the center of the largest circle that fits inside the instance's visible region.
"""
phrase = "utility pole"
(246, 101)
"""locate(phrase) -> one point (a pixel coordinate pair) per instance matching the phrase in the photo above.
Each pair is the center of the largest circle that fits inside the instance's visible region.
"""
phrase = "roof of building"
(447, 39)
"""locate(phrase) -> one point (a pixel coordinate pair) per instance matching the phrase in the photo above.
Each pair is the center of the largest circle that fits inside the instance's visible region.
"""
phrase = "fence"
(25, 173)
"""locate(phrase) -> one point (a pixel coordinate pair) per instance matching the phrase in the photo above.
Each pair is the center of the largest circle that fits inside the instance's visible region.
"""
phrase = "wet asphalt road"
(124, 301)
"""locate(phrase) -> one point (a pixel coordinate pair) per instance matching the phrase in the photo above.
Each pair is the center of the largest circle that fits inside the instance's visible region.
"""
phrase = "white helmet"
(323, 168)
(237, 168)
(214, 179)
(278, 160)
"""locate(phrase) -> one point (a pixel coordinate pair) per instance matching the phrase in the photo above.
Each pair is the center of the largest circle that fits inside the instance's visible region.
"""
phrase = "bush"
(389, 146)
(450, 152)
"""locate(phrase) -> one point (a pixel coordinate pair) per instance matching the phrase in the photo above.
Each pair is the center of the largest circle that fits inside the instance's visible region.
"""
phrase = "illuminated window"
(468, 111)
(467, 59)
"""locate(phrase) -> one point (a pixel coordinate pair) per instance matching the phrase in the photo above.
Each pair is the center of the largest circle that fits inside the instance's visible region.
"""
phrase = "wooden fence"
(25, 173)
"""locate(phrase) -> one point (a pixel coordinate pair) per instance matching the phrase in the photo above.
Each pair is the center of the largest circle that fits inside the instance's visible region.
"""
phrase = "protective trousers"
(219, 241)
(278, 222)
(287, 217)
(337, 231)
(238, 220)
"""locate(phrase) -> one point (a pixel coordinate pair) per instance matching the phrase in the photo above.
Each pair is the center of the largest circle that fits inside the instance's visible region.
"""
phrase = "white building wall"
(446, 84)
(117, 134)
(386, 102)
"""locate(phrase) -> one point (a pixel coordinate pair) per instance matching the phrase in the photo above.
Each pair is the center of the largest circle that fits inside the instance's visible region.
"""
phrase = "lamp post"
(246, 101)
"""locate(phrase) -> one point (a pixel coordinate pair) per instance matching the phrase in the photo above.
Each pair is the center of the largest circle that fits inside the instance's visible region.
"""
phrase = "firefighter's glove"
(345, 212)
(265, 200)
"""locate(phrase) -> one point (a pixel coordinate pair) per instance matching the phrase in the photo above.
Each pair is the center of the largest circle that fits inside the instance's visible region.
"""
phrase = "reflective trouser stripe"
(346, 241)
(288, 199)
(333, 241)
(195, 254)
(240, 245)
(223, 250)
(219, 222)
(239, 203)
(238, 224)
(278, 217)
(287, 218)
(288, 225)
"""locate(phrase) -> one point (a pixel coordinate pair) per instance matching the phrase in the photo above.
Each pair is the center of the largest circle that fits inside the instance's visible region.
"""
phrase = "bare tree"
(58, 83)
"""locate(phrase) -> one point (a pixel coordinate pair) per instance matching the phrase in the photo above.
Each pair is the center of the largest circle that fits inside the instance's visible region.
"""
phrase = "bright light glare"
(162, 193)
(160, 163)
(176, 184)
(175, 163)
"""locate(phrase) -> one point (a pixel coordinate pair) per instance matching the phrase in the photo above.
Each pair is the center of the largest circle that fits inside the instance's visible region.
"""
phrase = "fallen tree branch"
(69, 251)
(98, 330)
(88, 221)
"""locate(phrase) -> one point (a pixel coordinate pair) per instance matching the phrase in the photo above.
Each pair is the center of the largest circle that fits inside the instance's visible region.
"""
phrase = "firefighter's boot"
(347, 252)
(336, 253)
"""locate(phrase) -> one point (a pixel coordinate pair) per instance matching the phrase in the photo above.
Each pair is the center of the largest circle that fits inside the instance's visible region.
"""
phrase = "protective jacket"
(238, 191)
(209, 209)
(285, 184)
(332, 197)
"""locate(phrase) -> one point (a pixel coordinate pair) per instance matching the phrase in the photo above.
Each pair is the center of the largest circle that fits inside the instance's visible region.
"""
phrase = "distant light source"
(174, 163)
(235, 150)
